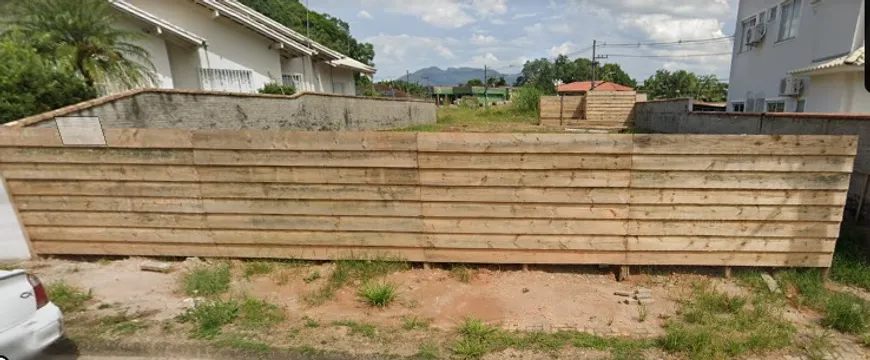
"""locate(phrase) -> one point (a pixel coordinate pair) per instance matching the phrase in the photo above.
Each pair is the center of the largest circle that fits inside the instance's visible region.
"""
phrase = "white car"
(29, 321)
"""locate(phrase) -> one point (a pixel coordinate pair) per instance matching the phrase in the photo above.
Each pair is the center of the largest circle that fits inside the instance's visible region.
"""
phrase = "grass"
(347, 271)
(308, 350)
(377, 294)
(715, 325)
(122, 323)
(311, 277)
(846, 313)
(238, 342)
(209, 318)
(414, 322)
(852, 258)
(259, 314)
(499, 118)
(254, 268)
(207, 280)
(310, 323)
(478, 339)
(461, 273)
(816, 346)
(67, 297)
(367, 330)
(428, 352)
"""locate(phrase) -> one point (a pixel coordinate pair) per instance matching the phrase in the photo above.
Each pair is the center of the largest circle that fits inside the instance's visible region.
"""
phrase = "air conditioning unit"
(748, 37)
(791, 87)
(758, 32)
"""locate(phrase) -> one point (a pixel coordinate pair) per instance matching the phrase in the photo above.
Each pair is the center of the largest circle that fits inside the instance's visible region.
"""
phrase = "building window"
(294, 80)
(801, 106)
(747, 28)
(771, 14)
(790, 20)
(776, 106)
(738, 107)
(226, 80)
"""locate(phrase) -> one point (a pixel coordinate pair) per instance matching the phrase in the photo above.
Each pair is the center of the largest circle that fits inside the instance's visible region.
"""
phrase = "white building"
(223, 45)
(797, 56)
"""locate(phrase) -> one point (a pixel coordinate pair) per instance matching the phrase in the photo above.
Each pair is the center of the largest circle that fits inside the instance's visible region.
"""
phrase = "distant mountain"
(455, 76)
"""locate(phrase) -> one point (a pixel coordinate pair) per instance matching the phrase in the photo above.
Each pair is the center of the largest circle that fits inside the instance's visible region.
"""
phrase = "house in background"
(449, 94)
(799, 55)
(223, 45)
(582, 87)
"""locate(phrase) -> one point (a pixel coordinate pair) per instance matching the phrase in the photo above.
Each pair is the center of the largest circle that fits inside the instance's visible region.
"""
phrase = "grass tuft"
(846, 313)
(428, 351)
(210, 317)
(254, 268)
(414, 322)
(377, 294)
(259, 314)
(461, 273)
(67, 297)
(367, 330)
(311, 277)
(347, 271)
(310, 323)
(207, 280)
(122, 323)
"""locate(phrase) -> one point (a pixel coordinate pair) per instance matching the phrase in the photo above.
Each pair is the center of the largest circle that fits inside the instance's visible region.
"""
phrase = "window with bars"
(294, 80)
(776, 106)
(738, 107)
(226, 80)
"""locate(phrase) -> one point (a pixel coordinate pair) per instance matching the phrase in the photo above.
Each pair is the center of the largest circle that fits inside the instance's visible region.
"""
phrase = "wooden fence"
(484, 198)
(611, 110)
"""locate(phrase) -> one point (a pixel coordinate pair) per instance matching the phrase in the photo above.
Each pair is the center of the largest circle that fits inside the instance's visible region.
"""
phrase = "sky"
(503, 34)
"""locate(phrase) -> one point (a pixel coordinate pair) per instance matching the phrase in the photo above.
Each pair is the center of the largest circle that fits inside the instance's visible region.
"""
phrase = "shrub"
(527, 99)
(210, 318)
(207, 280)
(67, 297)
(277, 89)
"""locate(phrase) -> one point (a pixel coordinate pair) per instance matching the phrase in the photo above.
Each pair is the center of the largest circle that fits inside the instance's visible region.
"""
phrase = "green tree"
(31, 85)
(493, 82)
(474, 82)
(84, 35)
(542, 73)
(667, 85)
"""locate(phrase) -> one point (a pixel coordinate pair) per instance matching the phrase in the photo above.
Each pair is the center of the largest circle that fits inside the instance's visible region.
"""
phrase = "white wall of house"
(184, 62)
(345, 78)
(319, 76)
(825, 31)
(156, 47)
(13, 244)
(230, 45)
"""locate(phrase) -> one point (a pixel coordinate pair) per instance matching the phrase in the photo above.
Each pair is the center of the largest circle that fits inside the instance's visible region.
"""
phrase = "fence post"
(561, 108)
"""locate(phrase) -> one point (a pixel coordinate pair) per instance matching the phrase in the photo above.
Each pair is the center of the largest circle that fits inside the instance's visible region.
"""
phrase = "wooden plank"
(243, 174)
(748, 212)
(728, 244)
(304, 140)
(526, 143)
(743, 163)
(489, 256)
(530, 195)
(526, 178)
(314, 223)
(109, 203)
(124, 248)
(734, 228)
(745, 144)
(378, 159)
(525, 242)
(128, 234)
(522, 161)
(96, 156)
(737, 197)
(149, 138)
(116, 219)
(521, 210)
(325, 192)
(104, 188)
(312, 207)
(98, 172)
(525, 226)
(30, 136)
(741, 180)
(730, 259)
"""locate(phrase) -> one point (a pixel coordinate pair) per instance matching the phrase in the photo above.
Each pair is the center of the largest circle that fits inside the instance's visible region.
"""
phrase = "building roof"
(853, 60)
(160, 24)
(587, 85)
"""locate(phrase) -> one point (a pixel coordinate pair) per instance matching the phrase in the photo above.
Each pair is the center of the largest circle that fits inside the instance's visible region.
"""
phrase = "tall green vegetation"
(543, 73)
(668, 85)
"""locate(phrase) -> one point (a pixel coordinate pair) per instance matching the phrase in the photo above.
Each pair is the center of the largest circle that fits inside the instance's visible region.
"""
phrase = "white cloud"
(364, 14)
(444, 51)
(524, 15)
(678, 8)
(394, 49)
(480, 39)
(561, 28)
(497, 22)
(447, 14)
(486, 8)
(564, 49)
(534, 30)
(478, 61)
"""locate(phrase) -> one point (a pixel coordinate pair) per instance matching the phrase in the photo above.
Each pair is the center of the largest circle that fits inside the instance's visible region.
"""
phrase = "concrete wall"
(674, 117)
(826, 29)
(152, 109)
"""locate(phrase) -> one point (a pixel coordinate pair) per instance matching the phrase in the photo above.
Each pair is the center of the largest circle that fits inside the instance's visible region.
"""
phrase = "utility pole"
(407, 82)
(428, 88)
(595, 58)
(485, 88)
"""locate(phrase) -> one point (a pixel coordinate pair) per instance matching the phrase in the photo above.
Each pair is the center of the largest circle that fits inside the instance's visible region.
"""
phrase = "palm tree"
(82, 34)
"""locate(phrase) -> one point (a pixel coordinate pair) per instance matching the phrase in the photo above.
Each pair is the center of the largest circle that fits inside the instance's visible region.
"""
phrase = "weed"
(67, 297)
(311, 277)
(347, 271)
(236, 341)
(367, 330)
(310, 323)
(809, 283)
(865, 340)
(642, 312)
(282, 277)
(207, 280)
(104, 261)
(259, 314)
(716, 325)
(816, 346)
(428, 352)
(846, 313)
(461, 273)
(122, 323)
(413, 322)
(210, 317)
(308, 350)
(377, 294)
(253, 268)
(851, 263)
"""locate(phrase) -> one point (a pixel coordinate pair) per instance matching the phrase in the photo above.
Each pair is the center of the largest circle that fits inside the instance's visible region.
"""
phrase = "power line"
(667, 56)
(678, 42)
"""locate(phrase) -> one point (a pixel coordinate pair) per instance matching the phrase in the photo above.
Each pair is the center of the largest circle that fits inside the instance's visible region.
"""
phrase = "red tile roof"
(586, 85)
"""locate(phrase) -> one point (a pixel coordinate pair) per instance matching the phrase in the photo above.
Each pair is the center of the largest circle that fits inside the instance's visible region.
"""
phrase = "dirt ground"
(542, 299)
